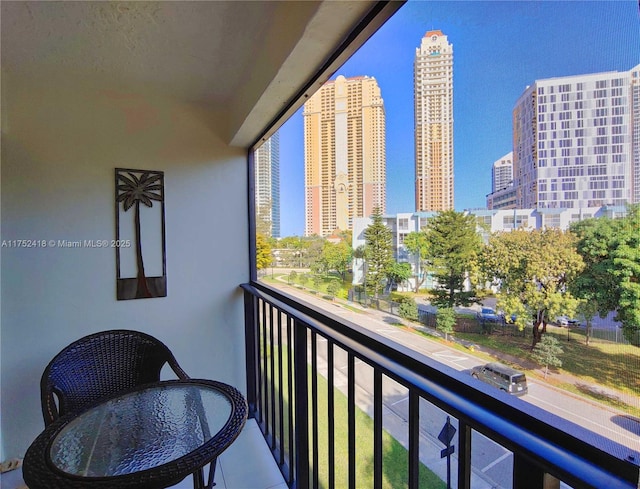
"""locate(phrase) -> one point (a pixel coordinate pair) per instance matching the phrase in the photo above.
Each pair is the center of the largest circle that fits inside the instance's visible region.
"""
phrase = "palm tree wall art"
(136, 188)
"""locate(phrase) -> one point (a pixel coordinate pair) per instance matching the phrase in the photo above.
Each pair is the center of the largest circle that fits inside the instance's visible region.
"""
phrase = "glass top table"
(150, 437)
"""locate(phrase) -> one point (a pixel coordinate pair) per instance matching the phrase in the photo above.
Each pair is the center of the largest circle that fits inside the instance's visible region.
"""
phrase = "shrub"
(445, 320)
(408, 309)
(332, 288)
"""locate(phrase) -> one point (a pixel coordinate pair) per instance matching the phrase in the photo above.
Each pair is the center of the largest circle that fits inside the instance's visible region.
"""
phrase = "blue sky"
(499, 48)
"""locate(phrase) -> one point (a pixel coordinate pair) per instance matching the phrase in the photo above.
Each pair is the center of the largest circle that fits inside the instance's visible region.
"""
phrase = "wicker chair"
(101, 365)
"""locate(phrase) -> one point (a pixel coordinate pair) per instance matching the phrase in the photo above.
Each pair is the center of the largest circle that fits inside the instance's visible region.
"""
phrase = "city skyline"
(501, 48)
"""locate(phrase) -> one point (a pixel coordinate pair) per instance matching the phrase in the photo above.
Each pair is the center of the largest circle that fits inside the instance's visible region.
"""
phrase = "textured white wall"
(60, 144)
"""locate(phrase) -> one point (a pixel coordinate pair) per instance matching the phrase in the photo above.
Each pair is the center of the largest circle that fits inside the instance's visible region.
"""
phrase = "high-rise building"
(502, 173)
(344, 154)
(635, 130)
(433, 122)
(576, 141)
(503, 192)
(267, 168)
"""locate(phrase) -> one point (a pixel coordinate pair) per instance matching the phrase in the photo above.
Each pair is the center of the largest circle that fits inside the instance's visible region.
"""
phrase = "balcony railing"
(301, 362)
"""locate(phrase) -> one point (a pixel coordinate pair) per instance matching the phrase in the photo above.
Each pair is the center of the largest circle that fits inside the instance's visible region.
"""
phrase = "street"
(491, 463)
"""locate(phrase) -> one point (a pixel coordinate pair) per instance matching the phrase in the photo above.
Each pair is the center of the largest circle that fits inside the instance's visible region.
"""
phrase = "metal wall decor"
(140, 246)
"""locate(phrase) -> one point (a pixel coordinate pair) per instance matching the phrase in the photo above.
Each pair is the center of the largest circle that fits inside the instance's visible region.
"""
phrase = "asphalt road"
(491, 463)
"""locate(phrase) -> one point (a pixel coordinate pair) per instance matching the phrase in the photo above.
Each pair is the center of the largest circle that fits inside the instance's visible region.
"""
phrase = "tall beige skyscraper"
(344, 154)
(433, 113)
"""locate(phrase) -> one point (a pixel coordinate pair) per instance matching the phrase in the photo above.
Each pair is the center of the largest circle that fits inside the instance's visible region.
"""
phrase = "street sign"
(447, 451)
(447, 433)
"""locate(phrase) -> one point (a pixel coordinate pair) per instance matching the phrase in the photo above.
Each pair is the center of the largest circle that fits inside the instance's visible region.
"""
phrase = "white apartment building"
(502, 173)
(576, 141)
(433, 123)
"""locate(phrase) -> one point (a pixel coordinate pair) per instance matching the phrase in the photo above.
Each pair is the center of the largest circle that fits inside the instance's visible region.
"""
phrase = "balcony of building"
(189, 88)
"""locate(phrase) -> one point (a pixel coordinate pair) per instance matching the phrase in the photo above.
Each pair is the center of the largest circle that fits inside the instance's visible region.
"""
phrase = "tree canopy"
(263, 252)
(416, 244)
(452, 247)
(378, 253)
(546, 353)
(533, 270)
(399, 272)
(335, 256)
(610, 281)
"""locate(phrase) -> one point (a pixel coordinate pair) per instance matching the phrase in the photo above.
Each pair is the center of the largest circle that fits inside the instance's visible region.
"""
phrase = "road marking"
(450, 356)
(388, 331)
(401, 400)
(496, 461)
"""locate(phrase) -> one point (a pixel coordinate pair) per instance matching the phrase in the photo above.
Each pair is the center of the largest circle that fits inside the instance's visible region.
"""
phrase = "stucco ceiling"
(244, 59)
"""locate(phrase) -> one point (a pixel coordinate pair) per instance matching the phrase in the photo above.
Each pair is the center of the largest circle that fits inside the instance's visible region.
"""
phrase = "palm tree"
(132, 190)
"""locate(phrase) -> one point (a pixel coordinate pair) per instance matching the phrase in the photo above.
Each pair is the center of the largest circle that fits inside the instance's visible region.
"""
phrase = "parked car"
(503, 377)
(567, 322)
(488, 314)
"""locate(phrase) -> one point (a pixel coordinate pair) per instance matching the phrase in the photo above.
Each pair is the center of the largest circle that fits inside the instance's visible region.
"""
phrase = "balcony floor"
(246, 464)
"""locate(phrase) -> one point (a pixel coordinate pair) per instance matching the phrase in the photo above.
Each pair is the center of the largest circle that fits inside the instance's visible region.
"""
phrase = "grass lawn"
(395, 468)
(317, 286)
(395, 456)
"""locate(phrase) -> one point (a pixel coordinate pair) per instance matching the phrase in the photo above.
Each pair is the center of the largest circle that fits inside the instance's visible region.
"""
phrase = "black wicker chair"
(102, 365)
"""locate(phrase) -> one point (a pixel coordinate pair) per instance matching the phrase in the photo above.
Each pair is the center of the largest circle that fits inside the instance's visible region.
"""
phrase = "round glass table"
(150, 437)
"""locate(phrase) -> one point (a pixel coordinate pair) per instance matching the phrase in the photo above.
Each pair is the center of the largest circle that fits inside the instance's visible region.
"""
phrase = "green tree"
(293, 250)
(610, 280)
(398, 273)
(263, 252)
(379, 253)
(416, 244)
(533, 270)
(453, 246)
(445, 321)
(408, 309)
(304, 278)
(292, 276)
(332, 288)
(317, 282)
(546, 353)
(587, 310)
(313, 250)
(336, 256)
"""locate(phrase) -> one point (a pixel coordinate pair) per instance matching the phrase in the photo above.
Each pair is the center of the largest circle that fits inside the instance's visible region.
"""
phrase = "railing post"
(250, 350)
(464, 455)
(301, 389)
(414, 440)
(526, 475)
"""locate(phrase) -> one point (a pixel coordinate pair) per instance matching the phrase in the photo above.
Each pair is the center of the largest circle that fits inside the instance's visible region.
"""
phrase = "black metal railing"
(304, 365)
